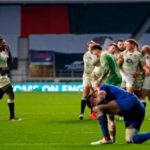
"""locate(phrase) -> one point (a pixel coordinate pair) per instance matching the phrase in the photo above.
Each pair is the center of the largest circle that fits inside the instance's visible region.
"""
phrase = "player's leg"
(132, 136)
(111, 107)
(141, 137)
(146, 89)
(129, 84)
(85, 93)
(1, 93)
(93, 115)
(133, 121)
(9, 91)
(138, 88)
(112, 126)
(94, 82)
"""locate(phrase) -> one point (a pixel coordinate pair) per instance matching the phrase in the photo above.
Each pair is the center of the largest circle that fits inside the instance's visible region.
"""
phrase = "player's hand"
(136, 74)
(94, 100)
(5, 68)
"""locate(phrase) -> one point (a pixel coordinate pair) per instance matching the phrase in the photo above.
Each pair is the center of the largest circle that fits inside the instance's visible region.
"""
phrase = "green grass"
(50, 121)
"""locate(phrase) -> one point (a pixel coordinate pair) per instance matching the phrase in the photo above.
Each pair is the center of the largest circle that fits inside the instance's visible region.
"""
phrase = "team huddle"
(117, 81)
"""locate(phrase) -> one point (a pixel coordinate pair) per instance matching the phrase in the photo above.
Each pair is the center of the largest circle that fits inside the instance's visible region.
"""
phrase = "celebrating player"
(110, 75)
(89, 63)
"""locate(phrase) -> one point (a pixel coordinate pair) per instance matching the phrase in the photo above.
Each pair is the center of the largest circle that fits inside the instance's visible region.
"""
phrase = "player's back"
(124, 99)
(116, 92)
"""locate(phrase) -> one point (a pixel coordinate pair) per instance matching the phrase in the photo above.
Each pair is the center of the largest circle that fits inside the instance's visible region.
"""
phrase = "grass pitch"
(50, 122)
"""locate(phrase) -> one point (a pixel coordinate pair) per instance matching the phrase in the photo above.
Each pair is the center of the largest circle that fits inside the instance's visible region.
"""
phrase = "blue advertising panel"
(47, 87)
(38, 56)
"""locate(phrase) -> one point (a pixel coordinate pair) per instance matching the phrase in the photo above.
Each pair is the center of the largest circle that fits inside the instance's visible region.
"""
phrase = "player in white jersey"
(129, 60)
(89, 62)
(145, 50)
(5, 84)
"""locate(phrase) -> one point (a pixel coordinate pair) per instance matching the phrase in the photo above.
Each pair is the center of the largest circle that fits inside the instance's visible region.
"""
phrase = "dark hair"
(119, 41)
(90, 42)
(96, 47)
(145, 48)
(133, 41)
(114, 44)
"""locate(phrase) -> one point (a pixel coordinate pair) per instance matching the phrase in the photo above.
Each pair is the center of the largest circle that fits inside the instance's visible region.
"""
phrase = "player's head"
(90, 44)
(96, 49)
(2, 42)
(120, 44)
(131, 44)
(145, 49)
(113, 48)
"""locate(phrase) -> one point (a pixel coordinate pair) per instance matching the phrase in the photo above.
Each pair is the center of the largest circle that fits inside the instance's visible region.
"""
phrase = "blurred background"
(48, 37)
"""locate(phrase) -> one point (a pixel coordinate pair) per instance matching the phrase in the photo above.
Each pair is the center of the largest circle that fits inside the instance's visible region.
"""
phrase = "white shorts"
(4, 80)
(86, 81)
(146, 84)
(127, 81)
(94, 79)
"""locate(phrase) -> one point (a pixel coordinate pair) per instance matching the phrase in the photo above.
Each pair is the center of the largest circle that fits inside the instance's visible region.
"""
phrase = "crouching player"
(114, 100)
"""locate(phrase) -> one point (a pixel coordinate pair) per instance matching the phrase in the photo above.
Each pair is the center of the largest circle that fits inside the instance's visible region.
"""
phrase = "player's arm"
(144, 66)
(5, 70)
(105, 68)
(120, 60)
(99, 98)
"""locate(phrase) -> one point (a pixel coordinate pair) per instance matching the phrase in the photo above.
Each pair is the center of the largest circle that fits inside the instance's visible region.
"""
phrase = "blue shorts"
(133, 111)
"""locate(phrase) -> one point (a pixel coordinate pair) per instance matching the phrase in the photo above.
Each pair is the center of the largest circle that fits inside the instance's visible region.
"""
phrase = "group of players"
(111, 80)
(126, 66)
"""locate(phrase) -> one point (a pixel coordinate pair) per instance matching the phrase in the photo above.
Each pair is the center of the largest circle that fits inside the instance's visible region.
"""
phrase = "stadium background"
(48, 38)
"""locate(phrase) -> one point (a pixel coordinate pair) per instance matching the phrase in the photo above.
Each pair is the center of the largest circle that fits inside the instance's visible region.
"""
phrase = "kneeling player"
(111, 123)
(114, 100)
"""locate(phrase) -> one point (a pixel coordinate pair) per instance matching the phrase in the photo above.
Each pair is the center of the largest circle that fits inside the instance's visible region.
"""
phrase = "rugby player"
(110, 75)
(114, 100)
(89, 64)
(145, 50)
(129, 60)
(120, 44)
(5, 84)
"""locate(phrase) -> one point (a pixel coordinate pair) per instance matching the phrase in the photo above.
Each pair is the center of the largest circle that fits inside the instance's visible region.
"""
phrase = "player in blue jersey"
(114, 100)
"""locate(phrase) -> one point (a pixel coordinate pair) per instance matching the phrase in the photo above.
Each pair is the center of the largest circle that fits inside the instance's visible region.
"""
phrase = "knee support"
(130, 133)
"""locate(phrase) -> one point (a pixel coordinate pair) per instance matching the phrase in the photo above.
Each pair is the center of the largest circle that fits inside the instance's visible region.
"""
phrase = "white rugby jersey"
(89, 62)
(3, 58)
(131, 61)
